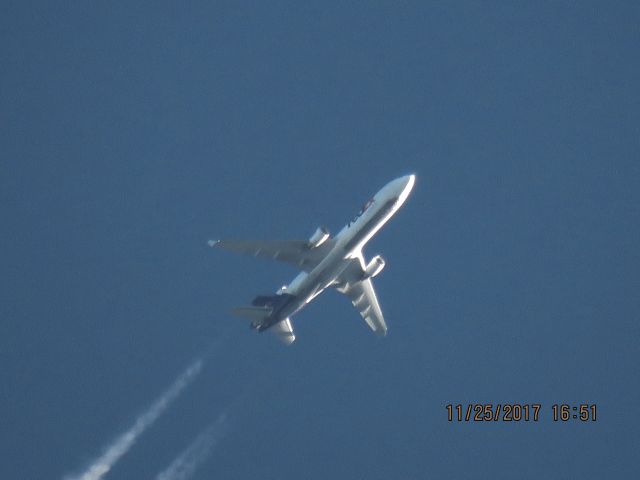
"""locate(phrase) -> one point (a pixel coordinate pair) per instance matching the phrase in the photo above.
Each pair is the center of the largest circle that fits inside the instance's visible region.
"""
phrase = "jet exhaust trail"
(185, 464)
(123, 443)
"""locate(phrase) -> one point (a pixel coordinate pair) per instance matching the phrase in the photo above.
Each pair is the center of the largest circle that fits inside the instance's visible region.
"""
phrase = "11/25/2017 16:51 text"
(516, 412)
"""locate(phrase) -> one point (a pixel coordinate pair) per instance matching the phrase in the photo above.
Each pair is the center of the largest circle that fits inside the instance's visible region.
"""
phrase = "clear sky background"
(131, 134)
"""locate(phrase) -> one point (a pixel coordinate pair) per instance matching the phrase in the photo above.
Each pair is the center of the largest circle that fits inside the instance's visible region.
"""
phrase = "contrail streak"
(185, 464)
(123, 443)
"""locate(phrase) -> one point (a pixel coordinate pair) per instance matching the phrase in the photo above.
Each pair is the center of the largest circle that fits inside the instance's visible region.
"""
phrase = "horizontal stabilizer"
(253, 313)
(284, 331)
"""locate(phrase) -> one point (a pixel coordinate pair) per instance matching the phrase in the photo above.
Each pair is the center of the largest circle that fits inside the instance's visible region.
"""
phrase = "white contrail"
(123, 443)
(185, 464)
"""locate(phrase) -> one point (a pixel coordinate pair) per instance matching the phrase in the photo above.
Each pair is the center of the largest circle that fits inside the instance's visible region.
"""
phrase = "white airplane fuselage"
(335, 269)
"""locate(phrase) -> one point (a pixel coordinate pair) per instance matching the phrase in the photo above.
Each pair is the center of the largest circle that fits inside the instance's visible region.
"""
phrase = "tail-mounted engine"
(320, 236)
(374, 267)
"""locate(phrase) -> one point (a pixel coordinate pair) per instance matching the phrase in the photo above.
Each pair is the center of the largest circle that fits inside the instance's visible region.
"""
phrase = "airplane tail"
(261, 307)
(270, 301)
(257, 314)
(284, 331)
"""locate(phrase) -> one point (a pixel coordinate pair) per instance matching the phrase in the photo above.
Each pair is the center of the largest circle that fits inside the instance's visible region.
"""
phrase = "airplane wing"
(363, 297)
(295, 252)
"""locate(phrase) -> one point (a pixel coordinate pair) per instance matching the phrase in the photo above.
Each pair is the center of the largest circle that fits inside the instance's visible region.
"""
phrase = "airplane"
(325, 262)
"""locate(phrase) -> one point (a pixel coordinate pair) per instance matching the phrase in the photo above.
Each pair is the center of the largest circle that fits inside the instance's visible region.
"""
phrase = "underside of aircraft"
(324, 262)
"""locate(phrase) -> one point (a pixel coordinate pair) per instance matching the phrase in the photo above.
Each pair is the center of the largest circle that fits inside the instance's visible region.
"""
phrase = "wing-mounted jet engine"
(374, 267)
(320, 236)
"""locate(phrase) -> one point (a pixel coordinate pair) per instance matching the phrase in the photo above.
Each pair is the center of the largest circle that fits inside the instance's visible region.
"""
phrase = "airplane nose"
(409, 180)
(403, 187)
(406, 183)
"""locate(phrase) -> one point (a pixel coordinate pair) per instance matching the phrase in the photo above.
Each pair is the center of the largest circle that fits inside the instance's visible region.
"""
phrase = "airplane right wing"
(363, 297)
(295, 252)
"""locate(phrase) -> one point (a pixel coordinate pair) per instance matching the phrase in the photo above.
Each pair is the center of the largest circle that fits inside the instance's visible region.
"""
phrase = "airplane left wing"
(363, 297)
(295, 252)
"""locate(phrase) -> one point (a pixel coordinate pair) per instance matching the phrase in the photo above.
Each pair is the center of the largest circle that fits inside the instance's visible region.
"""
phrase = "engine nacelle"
(374, 267)
(320, 236)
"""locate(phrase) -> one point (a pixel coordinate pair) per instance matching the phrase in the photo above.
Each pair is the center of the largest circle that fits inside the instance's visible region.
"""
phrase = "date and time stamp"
(521, 412)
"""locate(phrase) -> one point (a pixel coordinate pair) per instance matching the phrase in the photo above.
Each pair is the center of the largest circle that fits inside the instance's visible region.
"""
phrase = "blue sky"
(132, 134)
